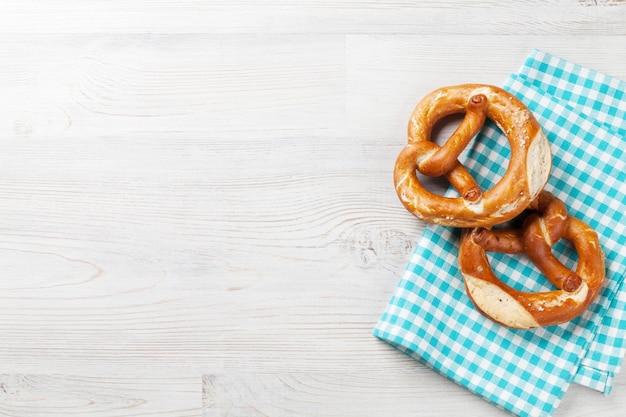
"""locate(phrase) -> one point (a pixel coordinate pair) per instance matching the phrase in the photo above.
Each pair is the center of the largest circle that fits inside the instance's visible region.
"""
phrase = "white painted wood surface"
(196, 209)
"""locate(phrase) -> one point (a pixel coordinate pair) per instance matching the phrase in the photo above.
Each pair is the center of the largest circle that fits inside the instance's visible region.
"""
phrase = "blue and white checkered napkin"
(527, 372)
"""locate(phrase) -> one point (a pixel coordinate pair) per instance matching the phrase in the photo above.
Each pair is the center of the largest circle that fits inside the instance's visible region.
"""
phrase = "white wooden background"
(197, 216)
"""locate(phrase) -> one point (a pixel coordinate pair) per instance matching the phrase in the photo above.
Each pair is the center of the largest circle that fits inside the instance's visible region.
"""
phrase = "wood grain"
(374, 393)
(320, 16)
(321, 394)
(57, 395)
(196, 199)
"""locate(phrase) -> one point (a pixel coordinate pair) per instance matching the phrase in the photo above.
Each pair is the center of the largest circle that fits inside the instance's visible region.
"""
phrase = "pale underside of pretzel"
(525, 176)
(574, 292)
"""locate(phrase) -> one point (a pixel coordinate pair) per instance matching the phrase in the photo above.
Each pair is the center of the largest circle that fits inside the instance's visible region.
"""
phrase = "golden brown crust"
(524, 178)
(576, 289)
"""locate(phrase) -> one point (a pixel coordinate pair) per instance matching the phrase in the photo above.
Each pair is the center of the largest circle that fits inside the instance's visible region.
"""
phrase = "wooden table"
(197, 210)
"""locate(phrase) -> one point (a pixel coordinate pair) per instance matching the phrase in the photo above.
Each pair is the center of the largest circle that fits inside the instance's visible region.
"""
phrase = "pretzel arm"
(540, 252)
(541, 231)
(442, 161)
(464, 183)
(457, 175)
(501, 240)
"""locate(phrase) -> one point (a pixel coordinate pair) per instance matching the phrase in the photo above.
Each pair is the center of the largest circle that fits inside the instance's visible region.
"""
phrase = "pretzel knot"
(525, 176)
(540, 230)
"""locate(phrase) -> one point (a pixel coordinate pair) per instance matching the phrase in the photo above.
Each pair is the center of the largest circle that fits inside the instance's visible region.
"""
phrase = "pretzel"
(525, 177)
(540, 230)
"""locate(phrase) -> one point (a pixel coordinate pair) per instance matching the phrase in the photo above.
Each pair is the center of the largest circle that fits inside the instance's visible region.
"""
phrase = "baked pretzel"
(525, 177)
(540, 230)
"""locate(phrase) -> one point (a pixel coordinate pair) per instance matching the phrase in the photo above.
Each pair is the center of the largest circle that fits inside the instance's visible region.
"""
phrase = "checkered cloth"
(527, 372)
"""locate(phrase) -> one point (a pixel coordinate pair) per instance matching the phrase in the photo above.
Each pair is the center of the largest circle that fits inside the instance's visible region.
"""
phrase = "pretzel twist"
(540, 230)
(525, 177)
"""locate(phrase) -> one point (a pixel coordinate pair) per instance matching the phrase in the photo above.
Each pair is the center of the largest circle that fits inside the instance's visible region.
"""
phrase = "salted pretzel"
(526, 174)
(545, 225)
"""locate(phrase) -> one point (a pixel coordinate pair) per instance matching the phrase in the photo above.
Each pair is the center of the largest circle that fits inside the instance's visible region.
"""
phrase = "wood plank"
(205, 88)
(334, 394)
(42, 395)
(408, 392)
(320, 16)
